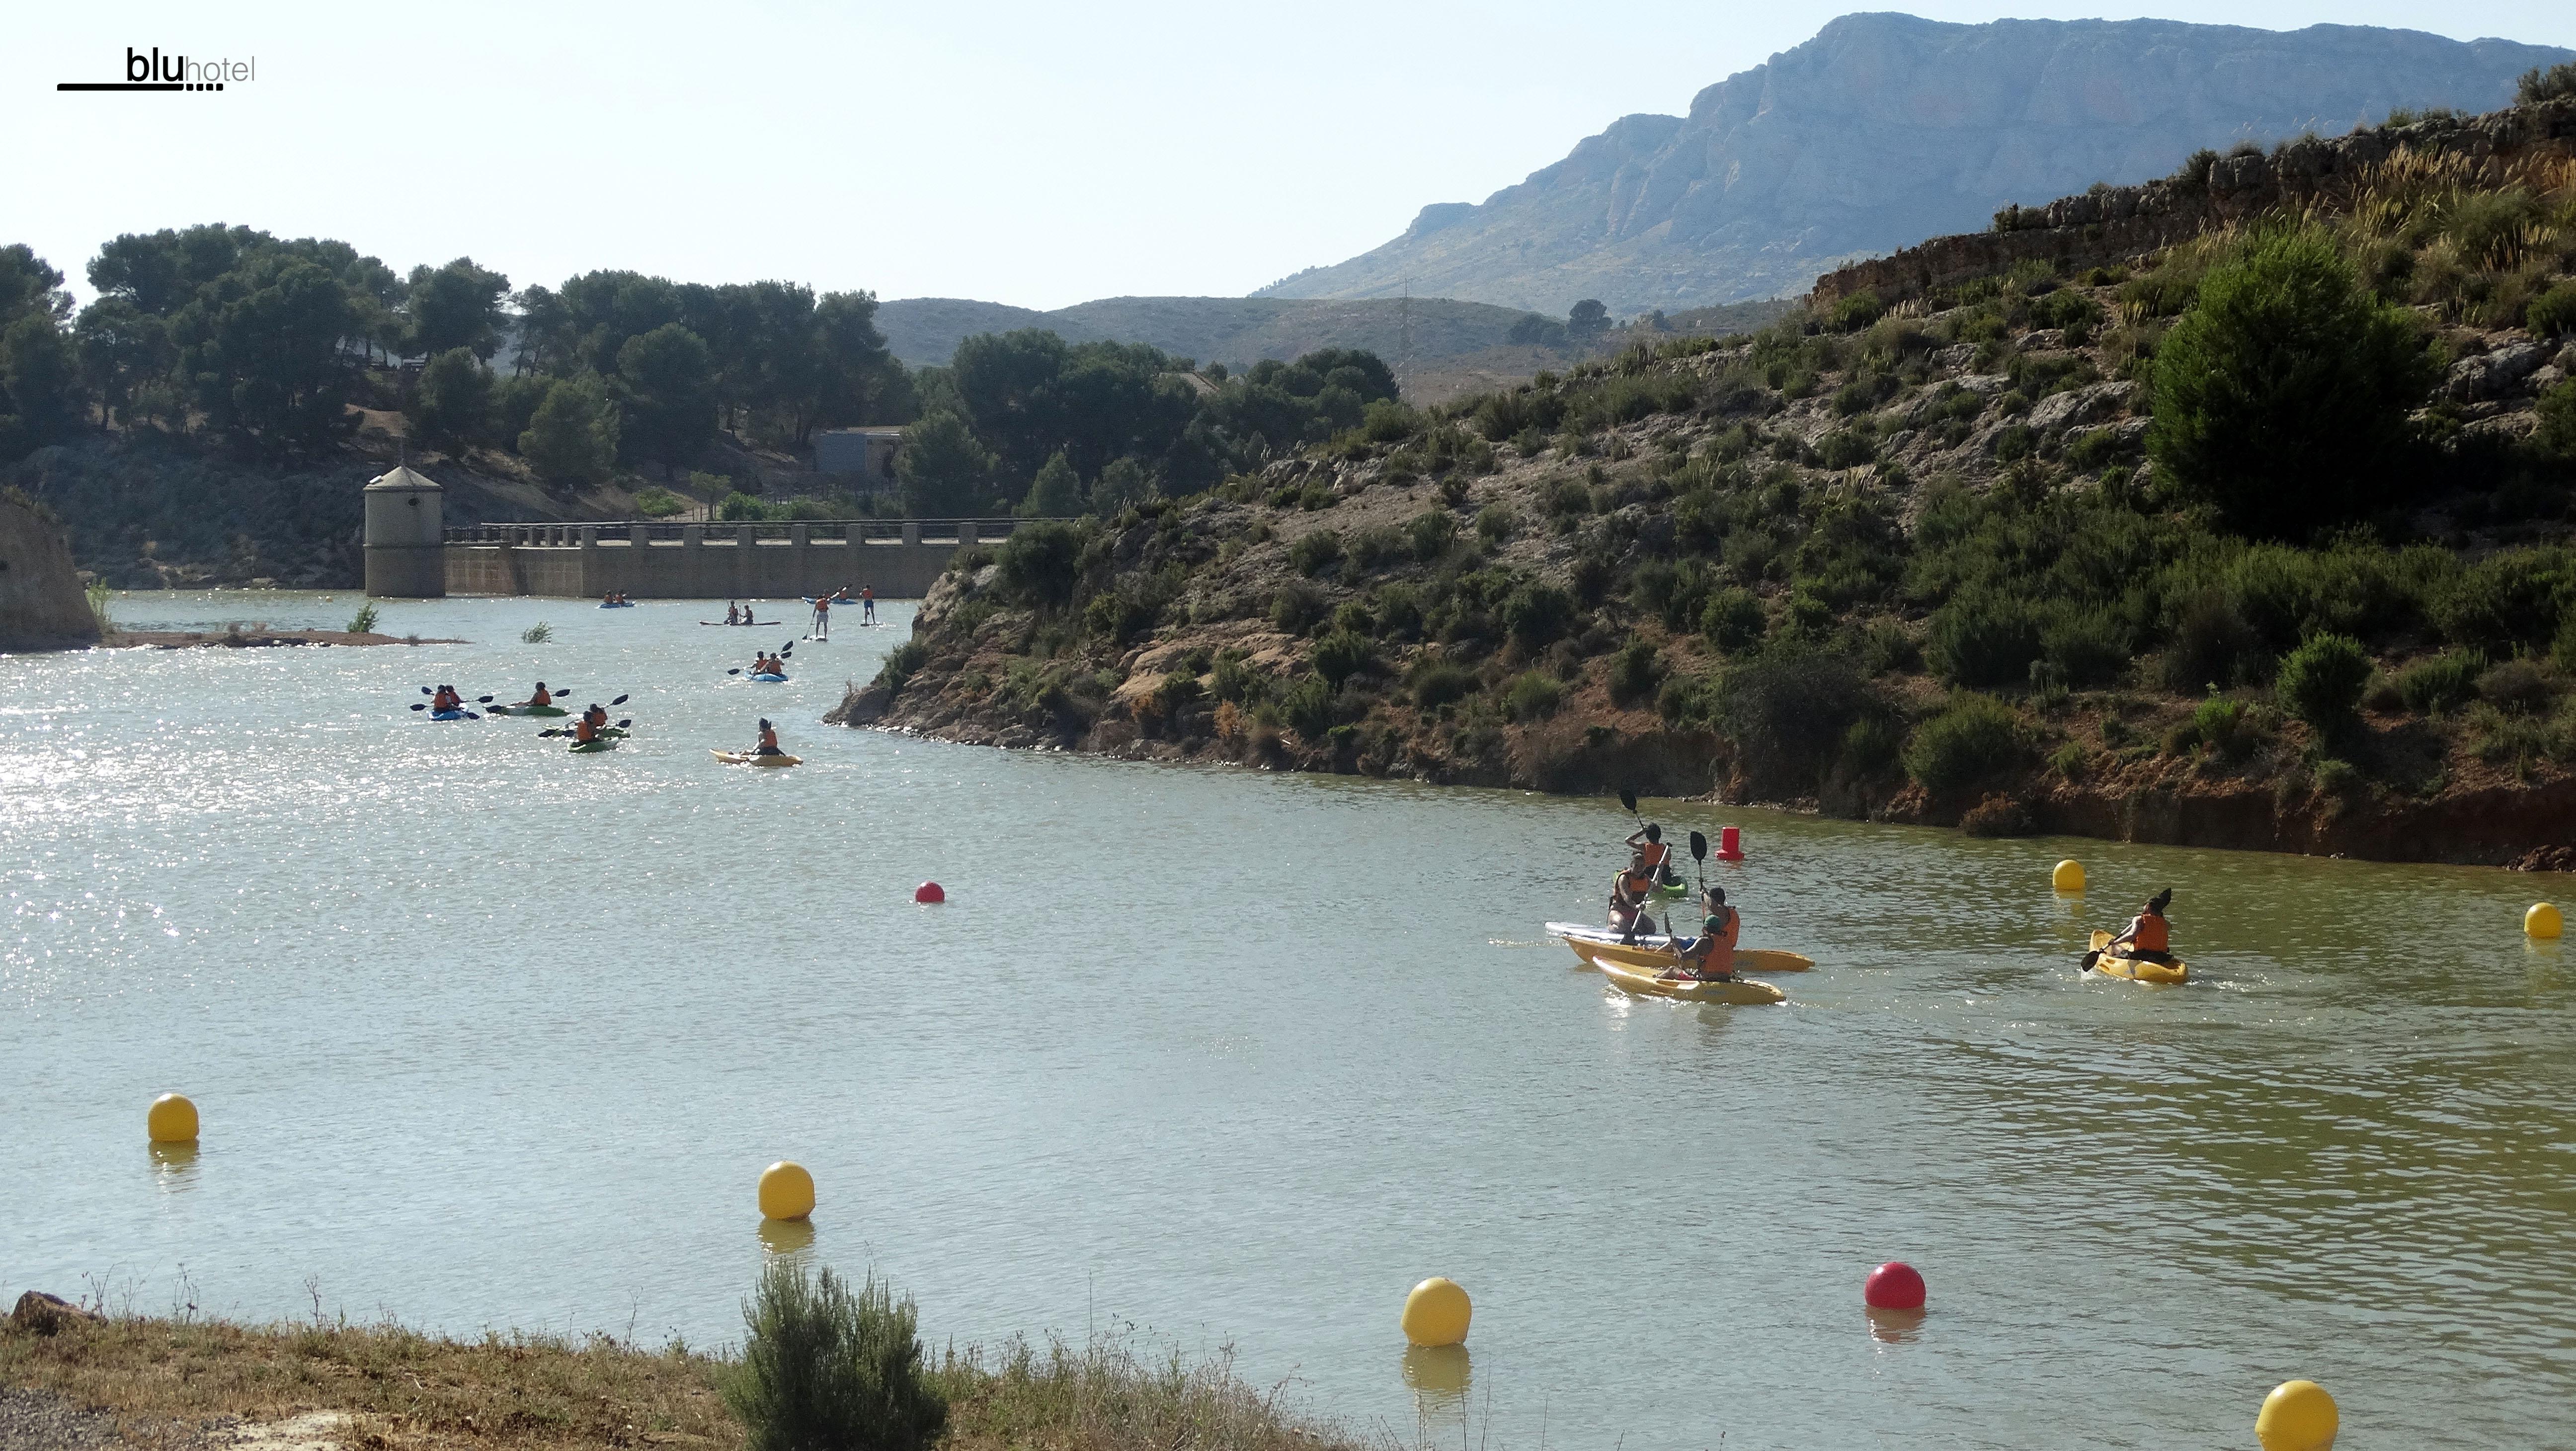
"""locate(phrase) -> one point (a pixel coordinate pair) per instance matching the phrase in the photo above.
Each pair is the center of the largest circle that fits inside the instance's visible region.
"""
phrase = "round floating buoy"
(1730, 844)
(1893, 1286)
(2541, 921)
(172, 1120)
(1436, 1313)
(2069, 876)
(2297, 1416)
(929, 893)
(786, 1191)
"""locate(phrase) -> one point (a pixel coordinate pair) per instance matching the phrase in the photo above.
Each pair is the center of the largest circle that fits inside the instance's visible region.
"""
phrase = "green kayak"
(587, 748)
(527, 710)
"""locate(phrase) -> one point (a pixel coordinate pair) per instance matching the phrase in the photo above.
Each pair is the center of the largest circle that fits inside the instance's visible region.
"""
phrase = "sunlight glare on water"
(488, 1035)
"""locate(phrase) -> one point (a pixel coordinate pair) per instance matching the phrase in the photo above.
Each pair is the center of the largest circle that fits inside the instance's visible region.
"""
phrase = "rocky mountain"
(1886, 129)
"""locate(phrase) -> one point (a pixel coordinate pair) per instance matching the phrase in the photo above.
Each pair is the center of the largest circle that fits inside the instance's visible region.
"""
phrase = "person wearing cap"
(2148, 937)
(1711, 955)
(768, 738)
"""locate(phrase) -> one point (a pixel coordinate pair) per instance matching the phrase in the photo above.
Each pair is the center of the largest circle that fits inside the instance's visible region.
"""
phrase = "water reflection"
(1895, 1327)
(1439, 1377)
(786, 1236)
(174, 1166)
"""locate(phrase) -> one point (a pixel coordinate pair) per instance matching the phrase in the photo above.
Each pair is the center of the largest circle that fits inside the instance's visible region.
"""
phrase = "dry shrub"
(1997, 815)
(1104, 1397)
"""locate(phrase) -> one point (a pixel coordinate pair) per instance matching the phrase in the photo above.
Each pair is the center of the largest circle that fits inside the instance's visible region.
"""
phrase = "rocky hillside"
(42, 605)
(1908, 563)
(1886, 129)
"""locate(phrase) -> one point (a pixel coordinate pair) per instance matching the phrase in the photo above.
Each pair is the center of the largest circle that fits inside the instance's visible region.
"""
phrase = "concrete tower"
(406, 538)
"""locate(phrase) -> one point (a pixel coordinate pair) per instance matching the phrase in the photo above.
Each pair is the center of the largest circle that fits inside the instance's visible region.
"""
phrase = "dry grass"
(401, 1389)
(405, 1390)
(1103, 1397)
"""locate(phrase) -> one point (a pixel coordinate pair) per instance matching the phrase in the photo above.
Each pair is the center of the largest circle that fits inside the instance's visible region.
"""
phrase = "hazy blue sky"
(1031, 153)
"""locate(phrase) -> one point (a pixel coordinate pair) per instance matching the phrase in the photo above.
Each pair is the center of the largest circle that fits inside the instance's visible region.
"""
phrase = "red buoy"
(929, 893)
(1730, 844)
(1893, 1286)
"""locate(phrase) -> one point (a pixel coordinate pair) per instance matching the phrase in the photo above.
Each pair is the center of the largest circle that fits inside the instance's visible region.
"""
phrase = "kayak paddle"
(1628, 799)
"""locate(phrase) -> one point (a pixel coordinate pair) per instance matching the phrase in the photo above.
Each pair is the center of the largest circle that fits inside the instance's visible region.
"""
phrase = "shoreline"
(252, 639)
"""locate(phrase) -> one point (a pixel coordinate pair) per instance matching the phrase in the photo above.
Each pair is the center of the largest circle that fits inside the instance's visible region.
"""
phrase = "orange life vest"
(2152, 935)
(543, 697)
(585, 732)
(1715, 951)
(769, 740)
(1652, 854)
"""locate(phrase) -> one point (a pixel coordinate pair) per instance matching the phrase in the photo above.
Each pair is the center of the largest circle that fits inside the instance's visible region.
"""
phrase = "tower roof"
(402, 476)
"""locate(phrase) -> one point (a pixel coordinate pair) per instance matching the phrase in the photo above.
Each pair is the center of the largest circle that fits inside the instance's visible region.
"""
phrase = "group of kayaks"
(1650, 966)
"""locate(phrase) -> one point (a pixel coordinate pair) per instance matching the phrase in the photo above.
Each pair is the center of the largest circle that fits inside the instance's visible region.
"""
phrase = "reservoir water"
(486, 1035)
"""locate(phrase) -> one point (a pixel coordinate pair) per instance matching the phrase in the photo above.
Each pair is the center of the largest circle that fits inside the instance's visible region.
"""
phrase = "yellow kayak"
(1644, 983)
(754, 758)
(2134, 969)
(1655, 953)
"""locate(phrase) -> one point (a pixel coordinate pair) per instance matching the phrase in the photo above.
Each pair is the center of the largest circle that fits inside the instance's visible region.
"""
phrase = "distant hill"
(1235, 331)
(1886, 129)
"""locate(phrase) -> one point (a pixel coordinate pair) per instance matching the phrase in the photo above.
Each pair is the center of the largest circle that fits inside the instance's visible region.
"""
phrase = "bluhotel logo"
(153, 71)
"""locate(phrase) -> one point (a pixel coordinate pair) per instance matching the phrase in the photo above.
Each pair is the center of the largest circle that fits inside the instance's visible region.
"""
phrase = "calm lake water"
(488, 1035)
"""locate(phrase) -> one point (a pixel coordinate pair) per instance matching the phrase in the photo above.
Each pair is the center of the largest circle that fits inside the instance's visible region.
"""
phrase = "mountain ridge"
(1885, 129)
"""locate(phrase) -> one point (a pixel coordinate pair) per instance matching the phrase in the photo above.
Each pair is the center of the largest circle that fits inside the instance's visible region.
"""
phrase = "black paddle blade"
(420, 705)
(621, 700)
(621, 725)
(469, 715)
(482, 700)
(733, 672)
(1699, 846)
(2091, 958)
(1628, 801)
(425, 690)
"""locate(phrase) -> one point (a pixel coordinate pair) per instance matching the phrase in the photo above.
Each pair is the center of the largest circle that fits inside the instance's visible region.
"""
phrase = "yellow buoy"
(1436, 1313)
(2069, 876)
(172, 1120)
(2541, 921)
(2297, 1416)
(786, 1191)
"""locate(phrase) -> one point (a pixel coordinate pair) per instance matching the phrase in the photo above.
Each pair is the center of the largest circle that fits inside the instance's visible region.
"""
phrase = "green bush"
(1431, 533)
(2556, 436)
(1340, 655)
(2440, 684)
(364, 621)
(1041, 563)
(1733, 619)
(1441, 682)
(1120, 615)
(1314, 553)
(1785, 709)
(1307, 706)
(2552, 313)
(822, 1367)
(1297, 608)
(1859, 310)
(1846, 448)
(2281, 398)
(1634, 672)
(1532, 696)
(2518, 687)
(1971, 742)
(2321, 682)
(2220, 722)
(1536, 614)
(902, 663)
(1377, 546)
(2085, 644)
(1984, 640)
(741, 508)
(1235, 680)
(1387, 421)
(659, 503)
(2537, 85)
(1496, 523)
(2509, 599)
(2212, 646)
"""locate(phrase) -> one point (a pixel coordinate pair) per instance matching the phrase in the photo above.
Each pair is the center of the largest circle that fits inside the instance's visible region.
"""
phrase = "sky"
(1038, 154)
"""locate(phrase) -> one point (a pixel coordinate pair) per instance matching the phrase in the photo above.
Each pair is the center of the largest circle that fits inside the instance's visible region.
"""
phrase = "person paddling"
(1628, 904)
(1710, 956)
(586, 730)
(732, 615)
(2148, 937)
(769, 739)
(822, 617)
(1647, 853)
(540, 696)
(445, 699)
(867, 604)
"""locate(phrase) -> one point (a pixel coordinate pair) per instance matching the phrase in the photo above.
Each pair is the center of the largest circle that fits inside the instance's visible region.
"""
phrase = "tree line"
(266, 343)
(263, 346)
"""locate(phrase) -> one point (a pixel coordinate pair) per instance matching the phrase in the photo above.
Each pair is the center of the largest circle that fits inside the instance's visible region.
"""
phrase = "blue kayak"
(447, 715)
(768, 679)
(630, 604)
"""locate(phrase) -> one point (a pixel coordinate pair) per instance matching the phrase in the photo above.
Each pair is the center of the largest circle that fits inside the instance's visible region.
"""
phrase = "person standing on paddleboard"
(822, 618)
(867, 604)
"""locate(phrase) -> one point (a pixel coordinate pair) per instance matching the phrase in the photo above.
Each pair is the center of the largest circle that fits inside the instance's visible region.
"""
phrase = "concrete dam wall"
(899, 559)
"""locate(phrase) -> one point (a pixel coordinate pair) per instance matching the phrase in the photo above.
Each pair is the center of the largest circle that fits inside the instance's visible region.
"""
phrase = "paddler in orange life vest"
(1711, 955)
(768, 738)
(2148, 938)
(586, 730)
(1647, 853)
(541, 696)
(1628, 904)
(445, 698)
